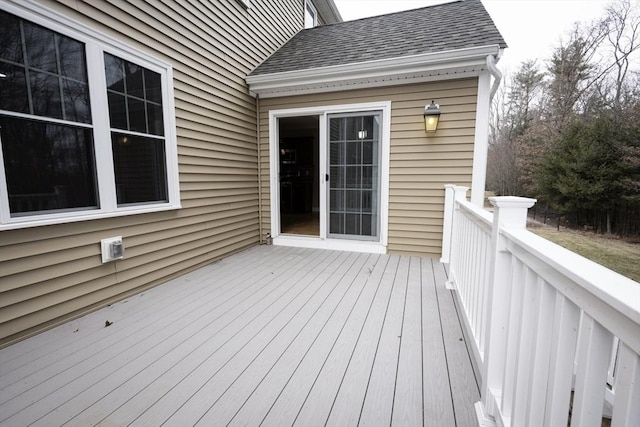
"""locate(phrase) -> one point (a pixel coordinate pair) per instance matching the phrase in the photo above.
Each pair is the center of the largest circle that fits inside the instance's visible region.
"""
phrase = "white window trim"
(97, 44)
(325, 242)
(309, 5)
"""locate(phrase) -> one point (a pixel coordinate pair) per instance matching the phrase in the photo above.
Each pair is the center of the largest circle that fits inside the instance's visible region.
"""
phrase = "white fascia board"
(438, 62)
(328, 10)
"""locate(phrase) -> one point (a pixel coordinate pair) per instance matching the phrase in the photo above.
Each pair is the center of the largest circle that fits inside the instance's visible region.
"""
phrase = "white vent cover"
(112, 249)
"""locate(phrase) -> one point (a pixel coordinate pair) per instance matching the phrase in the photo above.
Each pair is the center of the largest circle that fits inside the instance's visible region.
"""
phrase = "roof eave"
(403, 70)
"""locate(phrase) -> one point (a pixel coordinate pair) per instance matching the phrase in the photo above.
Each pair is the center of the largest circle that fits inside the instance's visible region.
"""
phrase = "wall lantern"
(431, 116)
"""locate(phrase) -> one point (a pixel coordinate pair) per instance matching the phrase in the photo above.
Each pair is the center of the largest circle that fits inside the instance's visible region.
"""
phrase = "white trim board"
(433, 66)
(323, 242)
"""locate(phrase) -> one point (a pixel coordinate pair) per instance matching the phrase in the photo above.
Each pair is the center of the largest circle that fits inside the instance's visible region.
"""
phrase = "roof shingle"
(444, 27)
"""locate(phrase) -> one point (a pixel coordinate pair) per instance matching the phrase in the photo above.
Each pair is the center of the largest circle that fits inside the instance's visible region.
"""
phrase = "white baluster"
(563, 350)
(591, 375)
(626, 410)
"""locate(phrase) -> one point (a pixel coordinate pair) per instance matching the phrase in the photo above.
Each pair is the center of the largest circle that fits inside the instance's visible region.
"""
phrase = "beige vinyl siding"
(420, 165)
(49, 274)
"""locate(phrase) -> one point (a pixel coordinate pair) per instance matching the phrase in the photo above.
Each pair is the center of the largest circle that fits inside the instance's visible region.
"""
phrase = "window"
(310, 15)
(62, 158)
(135, 107)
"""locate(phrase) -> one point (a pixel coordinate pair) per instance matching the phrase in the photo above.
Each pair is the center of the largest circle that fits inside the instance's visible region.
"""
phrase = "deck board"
(464, 387)
(378, 401)
(438, 404)
(272, 335)
(408, 398)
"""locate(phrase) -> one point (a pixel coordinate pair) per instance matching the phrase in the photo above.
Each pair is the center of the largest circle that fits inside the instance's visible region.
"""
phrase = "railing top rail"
(617, 291)
(485, 216)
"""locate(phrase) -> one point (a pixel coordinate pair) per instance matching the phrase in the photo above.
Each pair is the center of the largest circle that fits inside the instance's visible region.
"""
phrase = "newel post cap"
(511, 211)
(512, 202)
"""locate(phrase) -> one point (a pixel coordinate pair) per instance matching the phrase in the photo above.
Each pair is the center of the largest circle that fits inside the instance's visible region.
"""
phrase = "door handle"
(326, 177)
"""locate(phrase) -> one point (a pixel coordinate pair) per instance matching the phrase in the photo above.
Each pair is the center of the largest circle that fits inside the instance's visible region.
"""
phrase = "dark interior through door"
(299, 170)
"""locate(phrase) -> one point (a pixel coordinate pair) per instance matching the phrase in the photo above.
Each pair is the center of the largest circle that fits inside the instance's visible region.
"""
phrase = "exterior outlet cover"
(112, 249)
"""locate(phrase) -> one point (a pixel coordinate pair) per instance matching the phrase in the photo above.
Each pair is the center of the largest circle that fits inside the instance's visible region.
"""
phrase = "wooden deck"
(271, 336)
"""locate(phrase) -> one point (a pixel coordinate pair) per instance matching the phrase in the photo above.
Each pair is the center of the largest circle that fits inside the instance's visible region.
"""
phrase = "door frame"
(323, 242)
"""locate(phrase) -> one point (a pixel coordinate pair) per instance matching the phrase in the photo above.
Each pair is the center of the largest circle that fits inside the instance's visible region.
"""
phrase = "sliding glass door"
(354, 175)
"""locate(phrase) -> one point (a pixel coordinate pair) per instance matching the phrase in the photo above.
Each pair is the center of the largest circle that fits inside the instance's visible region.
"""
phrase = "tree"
(592, 171)
(623, 37)
(570, 69)
(511, 118)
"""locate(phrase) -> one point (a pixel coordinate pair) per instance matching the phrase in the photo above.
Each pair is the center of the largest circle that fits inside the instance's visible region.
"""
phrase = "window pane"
(48, 166)
(336, 201)
(154, 118)
(353, 176)
(73, 63)
(336, 223)
(134, 79)
(11, 46)
(367, 126)
(353, 201)
(336, 130)
(352, 224)
(153, 86)
(354, 152)
(117, 111)
(140, 169)
(367, 200)
(13, 89)
(368, 152)
(353, 125)
(76, 101)
(336, 177)
(114, 71)
(368, 229)
(337, 153)
(137, 120)
(41, 47)
(45, 94)
(367, 176)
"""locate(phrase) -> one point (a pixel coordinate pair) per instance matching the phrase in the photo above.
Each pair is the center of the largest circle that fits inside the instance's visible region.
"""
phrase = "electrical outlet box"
(112, 249)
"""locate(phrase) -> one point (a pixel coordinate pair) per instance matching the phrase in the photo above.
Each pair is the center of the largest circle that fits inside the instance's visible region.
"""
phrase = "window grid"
(349, 195)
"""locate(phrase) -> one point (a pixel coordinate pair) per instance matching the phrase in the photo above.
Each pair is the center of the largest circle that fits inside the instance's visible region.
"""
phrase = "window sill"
(35, 221)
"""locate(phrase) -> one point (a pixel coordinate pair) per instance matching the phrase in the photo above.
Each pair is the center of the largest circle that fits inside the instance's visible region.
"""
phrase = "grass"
(616, 254)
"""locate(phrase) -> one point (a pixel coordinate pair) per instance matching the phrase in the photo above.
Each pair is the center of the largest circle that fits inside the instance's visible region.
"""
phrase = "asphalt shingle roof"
(444, 27)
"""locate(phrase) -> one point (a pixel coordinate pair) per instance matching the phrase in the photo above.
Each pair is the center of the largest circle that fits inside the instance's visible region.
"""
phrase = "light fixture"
(431, 117)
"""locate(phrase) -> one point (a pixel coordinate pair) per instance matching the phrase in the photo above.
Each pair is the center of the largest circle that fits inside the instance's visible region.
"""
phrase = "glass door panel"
(354, 147)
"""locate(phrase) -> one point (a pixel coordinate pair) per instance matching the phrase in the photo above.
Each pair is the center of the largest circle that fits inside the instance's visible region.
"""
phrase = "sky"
(531, 28)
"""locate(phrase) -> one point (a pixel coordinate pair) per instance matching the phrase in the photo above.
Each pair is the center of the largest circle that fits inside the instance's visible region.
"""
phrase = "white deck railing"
(542, 321)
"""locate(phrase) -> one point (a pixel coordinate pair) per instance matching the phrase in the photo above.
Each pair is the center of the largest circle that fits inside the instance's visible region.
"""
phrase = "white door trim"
(322, 242)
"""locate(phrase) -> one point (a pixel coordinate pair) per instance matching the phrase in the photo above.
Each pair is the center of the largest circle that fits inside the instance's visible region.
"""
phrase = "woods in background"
(567, 130)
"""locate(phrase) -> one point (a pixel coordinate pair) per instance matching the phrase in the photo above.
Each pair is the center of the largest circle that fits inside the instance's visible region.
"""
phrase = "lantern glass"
(431, 117)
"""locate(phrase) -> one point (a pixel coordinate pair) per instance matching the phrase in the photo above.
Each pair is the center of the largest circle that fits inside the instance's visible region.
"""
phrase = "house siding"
(52, 273)
(419, 166)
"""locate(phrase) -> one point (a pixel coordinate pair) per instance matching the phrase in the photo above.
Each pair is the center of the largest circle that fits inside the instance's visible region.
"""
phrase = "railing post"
(509, 212)
(452, 193)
